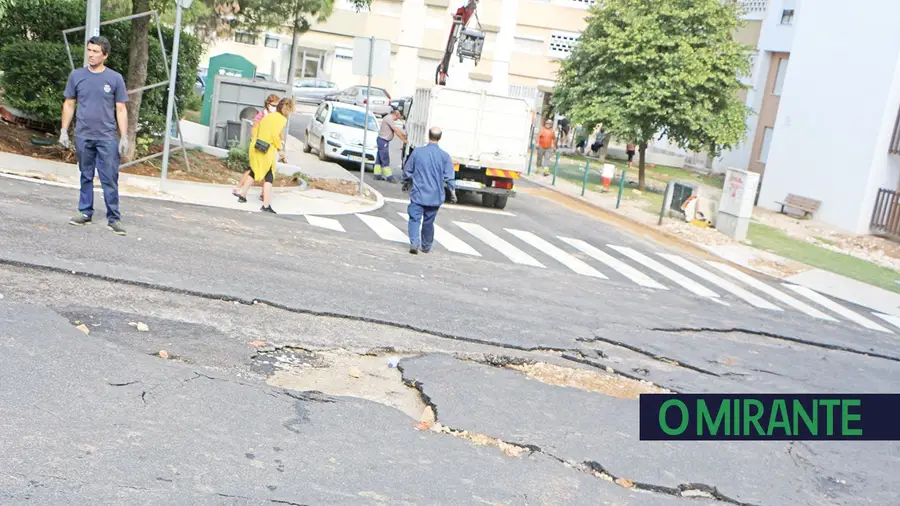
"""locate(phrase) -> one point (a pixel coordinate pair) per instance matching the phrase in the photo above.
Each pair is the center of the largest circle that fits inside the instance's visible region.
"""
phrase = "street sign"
(378, 51)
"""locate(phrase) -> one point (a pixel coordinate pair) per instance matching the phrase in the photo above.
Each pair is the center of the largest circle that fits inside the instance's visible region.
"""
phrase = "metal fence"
(886, 215)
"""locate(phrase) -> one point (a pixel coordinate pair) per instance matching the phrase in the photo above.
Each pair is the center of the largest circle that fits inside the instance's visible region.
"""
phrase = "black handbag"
(262, 146)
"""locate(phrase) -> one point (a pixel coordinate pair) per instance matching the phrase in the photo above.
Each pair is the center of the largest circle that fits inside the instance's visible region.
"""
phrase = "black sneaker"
(81, 219)
(413, 251)
(242, 199)
(426, 251)
(116, 227)
(267, 209)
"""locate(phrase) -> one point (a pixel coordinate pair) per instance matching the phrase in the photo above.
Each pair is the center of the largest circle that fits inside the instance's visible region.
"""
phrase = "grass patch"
(775, 241)
(192, 116)
(661, 174)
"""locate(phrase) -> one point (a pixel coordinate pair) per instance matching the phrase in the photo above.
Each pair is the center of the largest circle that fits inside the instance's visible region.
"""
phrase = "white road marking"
(893, 320)
(578, 266)
(457, 207)
(750, 298)
(508, 250)
(329, 223)
(770, 291)
(613, 262)
(835, 307)
(448, 240)
(384, 228)
(686, 282)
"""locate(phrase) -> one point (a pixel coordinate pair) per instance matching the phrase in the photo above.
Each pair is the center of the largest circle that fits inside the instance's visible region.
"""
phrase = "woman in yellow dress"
(267, 139)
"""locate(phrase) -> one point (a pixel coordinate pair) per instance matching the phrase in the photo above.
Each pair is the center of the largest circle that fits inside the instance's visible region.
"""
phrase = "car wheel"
(322, 150)
(307, 148)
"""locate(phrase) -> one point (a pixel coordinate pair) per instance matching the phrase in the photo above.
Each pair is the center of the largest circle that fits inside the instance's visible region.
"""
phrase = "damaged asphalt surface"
(101, 418)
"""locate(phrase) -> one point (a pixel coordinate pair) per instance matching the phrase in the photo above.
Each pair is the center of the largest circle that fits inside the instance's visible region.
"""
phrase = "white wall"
(837, 109)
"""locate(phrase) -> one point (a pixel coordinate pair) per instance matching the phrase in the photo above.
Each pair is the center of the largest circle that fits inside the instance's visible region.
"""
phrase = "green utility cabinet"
(230, 65)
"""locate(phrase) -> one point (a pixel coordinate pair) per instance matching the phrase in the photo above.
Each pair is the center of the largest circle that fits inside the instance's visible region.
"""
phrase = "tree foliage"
(643, 68)
(33, 59)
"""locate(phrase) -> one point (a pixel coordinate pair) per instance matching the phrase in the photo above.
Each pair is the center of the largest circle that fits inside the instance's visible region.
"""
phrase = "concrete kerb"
(654, 233)
(39, 168)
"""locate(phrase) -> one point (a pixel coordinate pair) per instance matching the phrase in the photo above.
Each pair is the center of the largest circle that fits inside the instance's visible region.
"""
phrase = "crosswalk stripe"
(508, 250)
(329, 223)
(383, 228)
(613, 262)
(835, 307)
(893, 320)
(448, 240)
(578, 266)
(770, 291)
(752, 299)
(686, 282)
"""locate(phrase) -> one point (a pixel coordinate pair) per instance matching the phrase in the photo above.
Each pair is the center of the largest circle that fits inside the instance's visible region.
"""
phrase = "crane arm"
(460, 20)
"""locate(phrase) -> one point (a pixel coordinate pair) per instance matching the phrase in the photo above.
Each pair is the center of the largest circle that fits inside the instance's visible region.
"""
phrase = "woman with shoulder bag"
(267, 140)
(268, 108)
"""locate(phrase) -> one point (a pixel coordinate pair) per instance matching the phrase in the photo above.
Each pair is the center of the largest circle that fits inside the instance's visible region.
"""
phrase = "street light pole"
(91, 24)
(173, 74)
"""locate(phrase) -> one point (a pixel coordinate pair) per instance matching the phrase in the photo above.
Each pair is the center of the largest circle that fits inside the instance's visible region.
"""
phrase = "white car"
(336, 133)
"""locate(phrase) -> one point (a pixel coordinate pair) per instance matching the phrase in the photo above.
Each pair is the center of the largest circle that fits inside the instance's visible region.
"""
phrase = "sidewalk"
(637, 212)
(291, 201)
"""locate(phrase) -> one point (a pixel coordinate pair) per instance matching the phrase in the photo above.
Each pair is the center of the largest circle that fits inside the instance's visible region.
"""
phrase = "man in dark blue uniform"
(101, 128)
(429, 169)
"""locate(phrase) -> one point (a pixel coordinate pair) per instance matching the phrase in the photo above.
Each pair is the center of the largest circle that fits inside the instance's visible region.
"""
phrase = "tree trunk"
(137, 70)
(292, 67)
(642, 164)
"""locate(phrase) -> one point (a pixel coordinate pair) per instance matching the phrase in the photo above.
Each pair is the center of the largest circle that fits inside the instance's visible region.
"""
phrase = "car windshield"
(352, 118)
(375, 92)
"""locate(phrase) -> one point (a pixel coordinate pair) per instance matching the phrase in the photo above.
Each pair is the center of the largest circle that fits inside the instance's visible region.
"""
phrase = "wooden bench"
(807, 205)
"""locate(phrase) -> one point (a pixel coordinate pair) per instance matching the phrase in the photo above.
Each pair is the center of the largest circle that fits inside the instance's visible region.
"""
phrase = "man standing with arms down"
(546, 143)
(385, 136)
(428, 168)
(100, 96)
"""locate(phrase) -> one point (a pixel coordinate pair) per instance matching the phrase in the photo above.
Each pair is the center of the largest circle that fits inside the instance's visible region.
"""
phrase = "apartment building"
(833, 131)
(524, 44)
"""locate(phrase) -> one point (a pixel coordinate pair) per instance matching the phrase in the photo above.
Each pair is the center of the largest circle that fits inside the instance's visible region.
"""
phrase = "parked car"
(313, 91)
(336, 132)
(356, 95)
(200, 84)
(402, 104)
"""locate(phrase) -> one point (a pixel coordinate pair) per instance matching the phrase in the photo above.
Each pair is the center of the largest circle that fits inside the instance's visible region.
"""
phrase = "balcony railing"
(886, 215)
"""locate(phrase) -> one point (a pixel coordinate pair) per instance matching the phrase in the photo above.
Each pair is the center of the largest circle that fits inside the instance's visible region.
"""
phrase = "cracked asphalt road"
(99, 419)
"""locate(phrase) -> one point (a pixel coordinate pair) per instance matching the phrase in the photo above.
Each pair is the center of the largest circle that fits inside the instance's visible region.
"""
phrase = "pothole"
(343, 373)
(600, 382)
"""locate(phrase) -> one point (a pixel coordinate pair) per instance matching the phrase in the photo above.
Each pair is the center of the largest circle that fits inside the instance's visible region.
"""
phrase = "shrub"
(238, 159)
(36, 67)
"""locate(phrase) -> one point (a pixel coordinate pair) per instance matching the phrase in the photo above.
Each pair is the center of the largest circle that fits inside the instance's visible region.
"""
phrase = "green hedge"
(36, 67)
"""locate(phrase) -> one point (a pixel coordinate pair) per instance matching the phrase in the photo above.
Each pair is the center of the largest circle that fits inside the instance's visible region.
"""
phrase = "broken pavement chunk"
(84, 328)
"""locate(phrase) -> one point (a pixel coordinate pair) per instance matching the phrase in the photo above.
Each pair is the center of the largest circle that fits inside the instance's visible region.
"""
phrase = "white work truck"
(486, 136)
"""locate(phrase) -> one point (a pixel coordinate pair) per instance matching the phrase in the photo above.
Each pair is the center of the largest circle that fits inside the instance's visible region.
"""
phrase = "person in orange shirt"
(546, 144)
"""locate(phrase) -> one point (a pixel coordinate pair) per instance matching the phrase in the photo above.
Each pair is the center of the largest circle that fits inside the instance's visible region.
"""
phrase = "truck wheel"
(488, 200)
(501, 201)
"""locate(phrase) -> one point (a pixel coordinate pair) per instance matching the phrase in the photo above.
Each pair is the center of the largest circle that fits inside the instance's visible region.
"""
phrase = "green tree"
(646, 68)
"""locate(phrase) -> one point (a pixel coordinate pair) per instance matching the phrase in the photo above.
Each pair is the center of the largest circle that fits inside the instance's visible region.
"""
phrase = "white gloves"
(123, 146)
(64, 139)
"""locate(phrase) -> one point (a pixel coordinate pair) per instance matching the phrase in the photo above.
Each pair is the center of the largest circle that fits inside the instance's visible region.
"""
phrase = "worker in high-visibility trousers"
(546, 144)
(385, 135)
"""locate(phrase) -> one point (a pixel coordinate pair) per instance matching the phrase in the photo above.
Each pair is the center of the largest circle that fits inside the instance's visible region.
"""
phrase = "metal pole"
(621, 187)
(91, 24)
(587, 170)
(530, 148)
(362, 163)
(667, 201)
(555, 166)
(162, 49)
(171, 103)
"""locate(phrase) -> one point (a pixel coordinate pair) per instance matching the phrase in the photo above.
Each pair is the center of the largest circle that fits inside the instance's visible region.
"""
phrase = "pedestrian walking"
(428, 171)
(546, 143)
(629, 150)
(269, 107)
(386, 134)
(96, 96)
(267, 140)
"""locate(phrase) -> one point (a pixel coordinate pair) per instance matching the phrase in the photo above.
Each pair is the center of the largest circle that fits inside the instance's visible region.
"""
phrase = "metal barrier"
(886, 215)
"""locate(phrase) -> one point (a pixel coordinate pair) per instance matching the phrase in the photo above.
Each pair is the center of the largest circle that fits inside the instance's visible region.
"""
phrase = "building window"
(562, 43)
(427, 69)
(780, 74)
(764, 149)
(271, 42)
(754, 6)
(245, 38)
(528, 45)
(787, 17)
